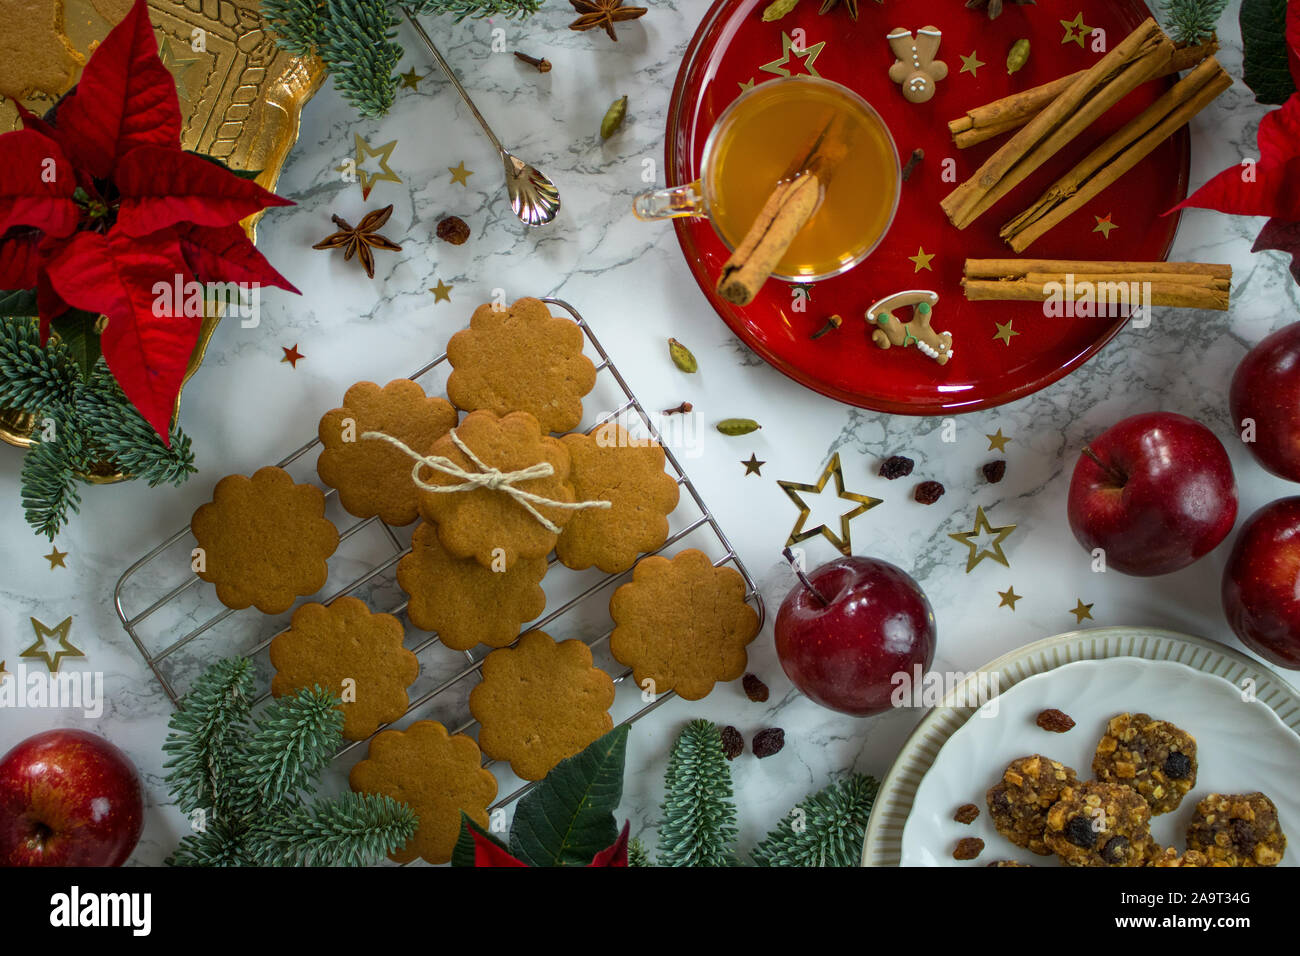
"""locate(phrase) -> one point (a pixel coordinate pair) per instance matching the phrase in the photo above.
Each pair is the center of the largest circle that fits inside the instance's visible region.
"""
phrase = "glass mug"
(753, 146)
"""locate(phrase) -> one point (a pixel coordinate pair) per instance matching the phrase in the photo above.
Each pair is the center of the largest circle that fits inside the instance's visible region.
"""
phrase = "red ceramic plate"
(731, 47)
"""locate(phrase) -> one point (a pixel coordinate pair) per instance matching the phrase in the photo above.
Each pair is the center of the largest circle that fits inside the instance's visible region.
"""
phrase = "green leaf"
(76, 330)
(18, 302)
(1263, 33)
(463, 854)
(569, 817)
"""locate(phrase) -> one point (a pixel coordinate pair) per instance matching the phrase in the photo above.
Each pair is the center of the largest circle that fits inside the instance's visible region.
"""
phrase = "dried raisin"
(966, 813)
(1055, 721)
(928, 492)
(968, 848)
(453, 229)
(768, 742)
(755, 689)
(896, 466)
(733, 743)
(994, 471)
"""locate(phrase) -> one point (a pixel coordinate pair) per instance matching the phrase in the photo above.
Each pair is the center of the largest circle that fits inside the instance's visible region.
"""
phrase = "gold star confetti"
(441, 292)
(998, 441)
(1082, 612)
(1009, 598)
(969, 64)
(807, 56)
(368, 179)
(291, 355)
(747, 85)
(459, 174)
(1104, 225)
(411, 79)
(753, 465)
(992, 549)
(41, 649)
(1004, 332)
(55, 557)
(843, 541)
(1071, 26)
(921, 260)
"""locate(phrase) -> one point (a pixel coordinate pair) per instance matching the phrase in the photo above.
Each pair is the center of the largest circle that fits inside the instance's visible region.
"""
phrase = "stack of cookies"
(503, 493)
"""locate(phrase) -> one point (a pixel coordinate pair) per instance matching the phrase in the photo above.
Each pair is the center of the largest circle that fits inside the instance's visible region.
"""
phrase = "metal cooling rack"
(155, 661)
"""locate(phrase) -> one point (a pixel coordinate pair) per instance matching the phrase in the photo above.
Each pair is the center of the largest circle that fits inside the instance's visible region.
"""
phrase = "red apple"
(1155, 492)
(68, 798)
(848, 627)
(1261, 583)
(1266, 390)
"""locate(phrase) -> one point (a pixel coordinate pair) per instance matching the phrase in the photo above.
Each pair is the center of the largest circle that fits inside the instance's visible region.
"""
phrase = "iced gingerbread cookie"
(1018, 803)
(1099, 824)
(1154, 757)
(1237, 830)
(916, 70)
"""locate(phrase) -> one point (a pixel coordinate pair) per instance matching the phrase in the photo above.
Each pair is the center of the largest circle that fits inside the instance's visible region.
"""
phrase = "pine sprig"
(826, 829)
(1190, 22)
(218, 844)
(699, 816)
(356, 43)
(294, 740)
(32, 377)
(476, 9)
(49, 482)
(121, 431)
(296, 23)
(212, 718)
(354, 829)
(637, 854)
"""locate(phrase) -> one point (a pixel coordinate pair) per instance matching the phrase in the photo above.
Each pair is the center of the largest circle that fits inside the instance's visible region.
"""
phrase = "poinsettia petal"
(1293, 40)
(19, 259)
(487, 853)
(146, 345)
(49, 304)
(224, 254)
(37, 186)
(616, 854)
(162, 187)
(124, 99)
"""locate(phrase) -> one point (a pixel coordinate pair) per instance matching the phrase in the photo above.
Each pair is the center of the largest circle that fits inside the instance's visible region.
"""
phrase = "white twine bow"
(488, 477)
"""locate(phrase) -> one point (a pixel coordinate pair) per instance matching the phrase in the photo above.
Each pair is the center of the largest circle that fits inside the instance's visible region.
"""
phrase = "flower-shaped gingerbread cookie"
(437, 775)
(264, 540)
(373, 477)
(487, 523)
(540, 702)
(682, 624)
(350, 652)
(463, 602)
(610, 465)
(521, 359)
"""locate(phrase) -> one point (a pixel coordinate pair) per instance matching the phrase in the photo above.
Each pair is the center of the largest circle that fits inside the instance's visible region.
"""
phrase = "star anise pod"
(995, 6)
(603, 13)
(849, 5)
(359, 241)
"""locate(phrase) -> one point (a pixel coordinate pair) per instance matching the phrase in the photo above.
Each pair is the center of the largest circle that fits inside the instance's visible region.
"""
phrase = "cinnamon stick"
(995, 268)
(1011, 112)
(1137, 58)
(1179, 284)
(1118, 154)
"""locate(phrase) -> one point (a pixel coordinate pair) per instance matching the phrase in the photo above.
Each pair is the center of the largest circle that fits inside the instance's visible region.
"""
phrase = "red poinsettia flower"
(488, 852)
(101, 204)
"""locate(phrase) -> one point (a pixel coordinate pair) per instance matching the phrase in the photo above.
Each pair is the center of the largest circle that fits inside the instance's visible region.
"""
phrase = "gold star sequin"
(1004, 332)
(807, 56)
(441, 292)
(368, 179)
(1082, 612)
(969, 64)
(1075, 30)
(993, 549)
(998, 441)
(753, 465)
(41, 649)
(411, 79)
(291, 355)
(459, 174)
(1104, 225)
(747, 85)
(55, 557)
(843, 541)
(1009, 598)
(921, 260)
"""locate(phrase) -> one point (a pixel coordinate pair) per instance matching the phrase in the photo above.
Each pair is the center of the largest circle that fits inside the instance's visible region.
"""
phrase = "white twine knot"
(488, 477)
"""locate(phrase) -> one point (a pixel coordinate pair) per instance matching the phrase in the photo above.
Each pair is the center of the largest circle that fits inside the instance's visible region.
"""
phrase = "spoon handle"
(446, 68)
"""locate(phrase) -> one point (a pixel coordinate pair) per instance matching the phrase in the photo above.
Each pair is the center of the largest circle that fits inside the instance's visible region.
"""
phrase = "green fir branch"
(356, 43)
(476, 9)
(699, 816)
(295, 23)
(826, 829)
(293, 741)
(124, 435)
(205, 733)
(49, 479)
(637, 854)
(355, 829)
(1190, 22)
(217, 844)
(32, 377)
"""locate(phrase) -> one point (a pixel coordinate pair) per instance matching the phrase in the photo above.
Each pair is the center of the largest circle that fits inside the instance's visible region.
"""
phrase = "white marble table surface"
(246, 408)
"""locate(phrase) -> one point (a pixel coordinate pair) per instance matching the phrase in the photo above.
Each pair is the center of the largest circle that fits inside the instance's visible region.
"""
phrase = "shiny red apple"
(68, 798)
(1155, 492)
(1265, 400)
(848, 628)
(1261, 583)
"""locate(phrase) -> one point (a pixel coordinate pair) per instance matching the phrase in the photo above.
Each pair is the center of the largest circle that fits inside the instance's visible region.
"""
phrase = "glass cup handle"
(671, 203)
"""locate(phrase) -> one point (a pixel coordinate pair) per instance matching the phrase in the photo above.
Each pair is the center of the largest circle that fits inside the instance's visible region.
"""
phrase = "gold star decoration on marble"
(806, 56)
(1104, 225)
(411, 79)
(998, 441)
(979, 550)
(1075, 30)
(441, 292)
(1009, 598)
(55, 557)
(921, 260)
(177, 65)
(1082, 612)
(291, 355)
(747, 85)
(365, 151)
(459, 174)
(62, 647)
(1005, 332)
(969, 64)
(843, 541)
(753, 466)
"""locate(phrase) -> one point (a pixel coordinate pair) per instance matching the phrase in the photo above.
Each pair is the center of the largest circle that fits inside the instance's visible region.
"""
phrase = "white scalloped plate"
(953, 756)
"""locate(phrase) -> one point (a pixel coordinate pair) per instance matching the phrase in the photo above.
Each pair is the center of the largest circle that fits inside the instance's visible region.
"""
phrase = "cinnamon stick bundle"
(1012, 112)
(1120, 153)
(1193, 285)
(1136, 59)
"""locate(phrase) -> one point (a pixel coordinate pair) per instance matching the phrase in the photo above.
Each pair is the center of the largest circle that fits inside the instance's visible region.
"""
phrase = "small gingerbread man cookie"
(888, 330)
(916, 68)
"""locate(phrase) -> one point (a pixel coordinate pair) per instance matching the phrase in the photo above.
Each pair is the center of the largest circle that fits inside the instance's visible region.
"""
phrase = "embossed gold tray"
(241, 96)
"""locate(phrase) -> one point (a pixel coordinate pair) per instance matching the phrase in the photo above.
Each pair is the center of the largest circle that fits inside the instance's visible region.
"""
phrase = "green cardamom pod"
(738, 426)
(1018, 56)
(682, 356)
(777, 9)
(613, 117)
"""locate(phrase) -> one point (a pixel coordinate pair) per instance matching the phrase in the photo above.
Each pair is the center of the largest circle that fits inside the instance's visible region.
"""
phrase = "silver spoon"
(533, 197)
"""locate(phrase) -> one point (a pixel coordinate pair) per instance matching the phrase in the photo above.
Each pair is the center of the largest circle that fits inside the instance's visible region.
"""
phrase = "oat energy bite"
(1154, 757)
(1237, 830)
(1018, 803)
(1099, 824)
